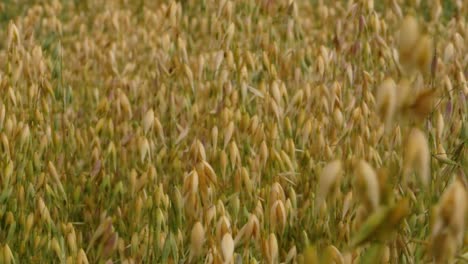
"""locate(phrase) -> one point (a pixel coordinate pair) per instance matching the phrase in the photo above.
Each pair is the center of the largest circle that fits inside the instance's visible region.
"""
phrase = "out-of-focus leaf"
(311, 255)
(382, 222)
(372, 255)
(370, 226)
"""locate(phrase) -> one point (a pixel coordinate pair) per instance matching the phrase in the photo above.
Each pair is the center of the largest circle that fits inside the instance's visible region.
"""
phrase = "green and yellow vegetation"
(233, 131)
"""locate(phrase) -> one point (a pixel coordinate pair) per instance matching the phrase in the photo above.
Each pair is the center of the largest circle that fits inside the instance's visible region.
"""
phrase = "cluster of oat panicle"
(233, 131)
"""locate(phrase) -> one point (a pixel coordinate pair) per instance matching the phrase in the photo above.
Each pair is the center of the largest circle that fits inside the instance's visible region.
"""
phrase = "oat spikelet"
(148, 121)
(423, 54)
(417, 156)
(44, 211)
(197, 240)
(250, 230)
(449, 52)
(272, 245)
(222, 227)
(334, 255)
(278, 216)
(291, 256)
(56, 178)
(144, 148)
(367, 178)
(8, 256)
(56, 247)
(328, 177)
(125, 104)
(276, 193)
(227, 247)
(82, 258)
(408, 38)
(386, 102)
(452, 209)
(449, 224)
(403, 93)
(228, 134)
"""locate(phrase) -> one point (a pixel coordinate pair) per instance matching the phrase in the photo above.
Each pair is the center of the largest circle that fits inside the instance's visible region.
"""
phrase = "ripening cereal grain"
(125, 104)
(292, 254)
(197, 238)
(209, 172)
(56, 248)
(44, 211)
(449, 226)
(222, 227)
(368, 181)
(439, 125)
(449, 52)
(214, 137)
(334, 255)
(272, 246)
(200, 150)
(148, 121)
(451, 210)
(387, 102)
(8, 255)
(417, 156)
(228, 134)
(278, 216)
(408, 37)
(82, 258)
(423, 54)
(459, 42)
(233, 131)
(56, 178)
(329, 177)
(403, 93)
(144, 148)
(347, 201)
(251, 230)
(227, 247)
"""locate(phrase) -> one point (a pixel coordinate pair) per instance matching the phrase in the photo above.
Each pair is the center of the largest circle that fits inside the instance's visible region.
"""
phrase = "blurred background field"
(247, 131)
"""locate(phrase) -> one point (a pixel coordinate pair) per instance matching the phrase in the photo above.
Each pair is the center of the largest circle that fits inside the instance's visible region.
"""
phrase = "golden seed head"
(278, 216)
(222, 129)
(452, 209)
(417, 156)
(367, 179)
(227, 247)
(197, 239)
(387, 101)
(329, 176)
(409, 34)
(423, 53)
(449, 52)
(148, 121)
(222, 227)
(272, 255)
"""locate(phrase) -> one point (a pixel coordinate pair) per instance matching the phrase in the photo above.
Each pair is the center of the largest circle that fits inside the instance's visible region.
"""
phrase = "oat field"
(233, 131)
